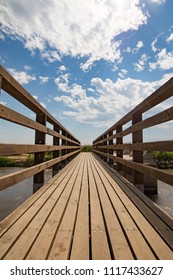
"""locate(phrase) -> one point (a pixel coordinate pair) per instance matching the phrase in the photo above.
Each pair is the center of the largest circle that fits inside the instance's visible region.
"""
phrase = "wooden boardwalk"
(83, 213)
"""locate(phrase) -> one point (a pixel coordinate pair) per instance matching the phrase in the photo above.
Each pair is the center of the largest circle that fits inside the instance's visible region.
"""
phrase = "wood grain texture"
(85, 213)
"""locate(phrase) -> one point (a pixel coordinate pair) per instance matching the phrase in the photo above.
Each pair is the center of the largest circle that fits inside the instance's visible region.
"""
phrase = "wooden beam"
(40, 138)
(12, 87)
(0, 83)
(161, 94)
(15, 117)
(111, 151)
(17, 149)
(119, 140)
(149, 146)
(56, 153)
(12, 179)
(151, 171)
(137, 137)
(159, 118)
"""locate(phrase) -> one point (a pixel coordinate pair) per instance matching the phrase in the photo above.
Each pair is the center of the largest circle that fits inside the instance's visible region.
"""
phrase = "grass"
(21, 161)
(6, 162)
(86, 148)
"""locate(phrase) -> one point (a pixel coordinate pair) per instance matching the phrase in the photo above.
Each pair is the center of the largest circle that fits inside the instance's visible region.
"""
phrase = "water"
(14, 196)
(164, 198)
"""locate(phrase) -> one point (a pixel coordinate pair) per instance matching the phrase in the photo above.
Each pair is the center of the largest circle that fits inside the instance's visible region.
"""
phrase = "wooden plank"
(162, 223)
(25, 229)
(80, 246)
(17, 149)
(159, 247)
(149, 146)
(99, 242)
(149, 170)
(61, 247)
(138, 243)
(119, 244)
(15, 215)
(12, 179)
(40, 249)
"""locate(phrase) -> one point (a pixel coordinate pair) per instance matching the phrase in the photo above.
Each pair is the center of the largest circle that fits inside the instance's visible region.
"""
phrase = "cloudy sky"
(87, 62)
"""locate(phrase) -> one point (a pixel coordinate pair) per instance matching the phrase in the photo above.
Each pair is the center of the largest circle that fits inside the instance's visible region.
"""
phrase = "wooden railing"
(109, 146)
(65, 146)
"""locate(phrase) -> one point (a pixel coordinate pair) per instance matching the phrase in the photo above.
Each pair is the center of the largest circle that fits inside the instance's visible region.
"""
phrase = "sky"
(87, 62)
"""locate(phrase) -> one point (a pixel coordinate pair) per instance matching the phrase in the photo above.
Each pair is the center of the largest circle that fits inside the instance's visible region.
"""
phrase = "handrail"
(65, 146)
(105, 146)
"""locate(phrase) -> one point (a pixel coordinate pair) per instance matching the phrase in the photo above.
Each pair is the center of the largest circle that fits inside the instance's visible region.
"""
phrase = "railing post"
(0, 83)
(105, 150)
(119, 140)
(68, 150)
(40, 138)
(56, 142)
(111, 162)
(64, 151)
(137, 137)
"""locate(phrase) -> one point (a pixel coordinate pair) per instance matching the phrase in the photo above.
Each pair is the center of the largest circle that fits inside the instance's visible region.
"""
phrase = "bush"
(163, 155)
(29, 161)
(48, 156)
(164, 160)
(6, 162)
(86, 148)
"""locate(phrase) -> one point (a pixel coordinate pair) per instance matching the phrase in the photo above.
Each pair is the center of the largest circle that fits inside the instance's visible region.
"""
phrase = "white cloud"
(152, 66)
(51, 56)
(2, 37)
(122, 73)
(164, 60)
(170, 38)
(140, 65)
(21, 76)
(43, 80)
(139, 45)
(62, 68)
(27, 68)
(62, 82)
(128, 50)
(110, 100)
(85, 29)
(43, 105)
(35, 96)
(158, 1)
(153, 45)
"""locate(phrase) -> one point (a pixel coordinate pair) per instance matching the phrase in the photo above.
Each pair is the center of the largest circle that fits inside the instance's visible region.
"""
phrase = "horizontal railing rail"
(64, 148)
(110, 146)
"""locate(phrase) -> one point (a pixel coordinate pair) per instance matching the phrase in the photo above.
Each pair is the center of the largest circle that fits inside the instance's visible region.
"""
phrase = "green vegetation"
(48, 156)
(166, 156)
(6, 162)
(86, 148)
(164, 160)
(29, 161)
(21, 160)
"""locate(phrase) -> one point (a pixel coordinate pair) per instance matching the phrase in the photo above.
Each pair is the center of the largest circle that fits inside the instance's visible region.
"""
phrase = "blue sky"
(87, 62)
